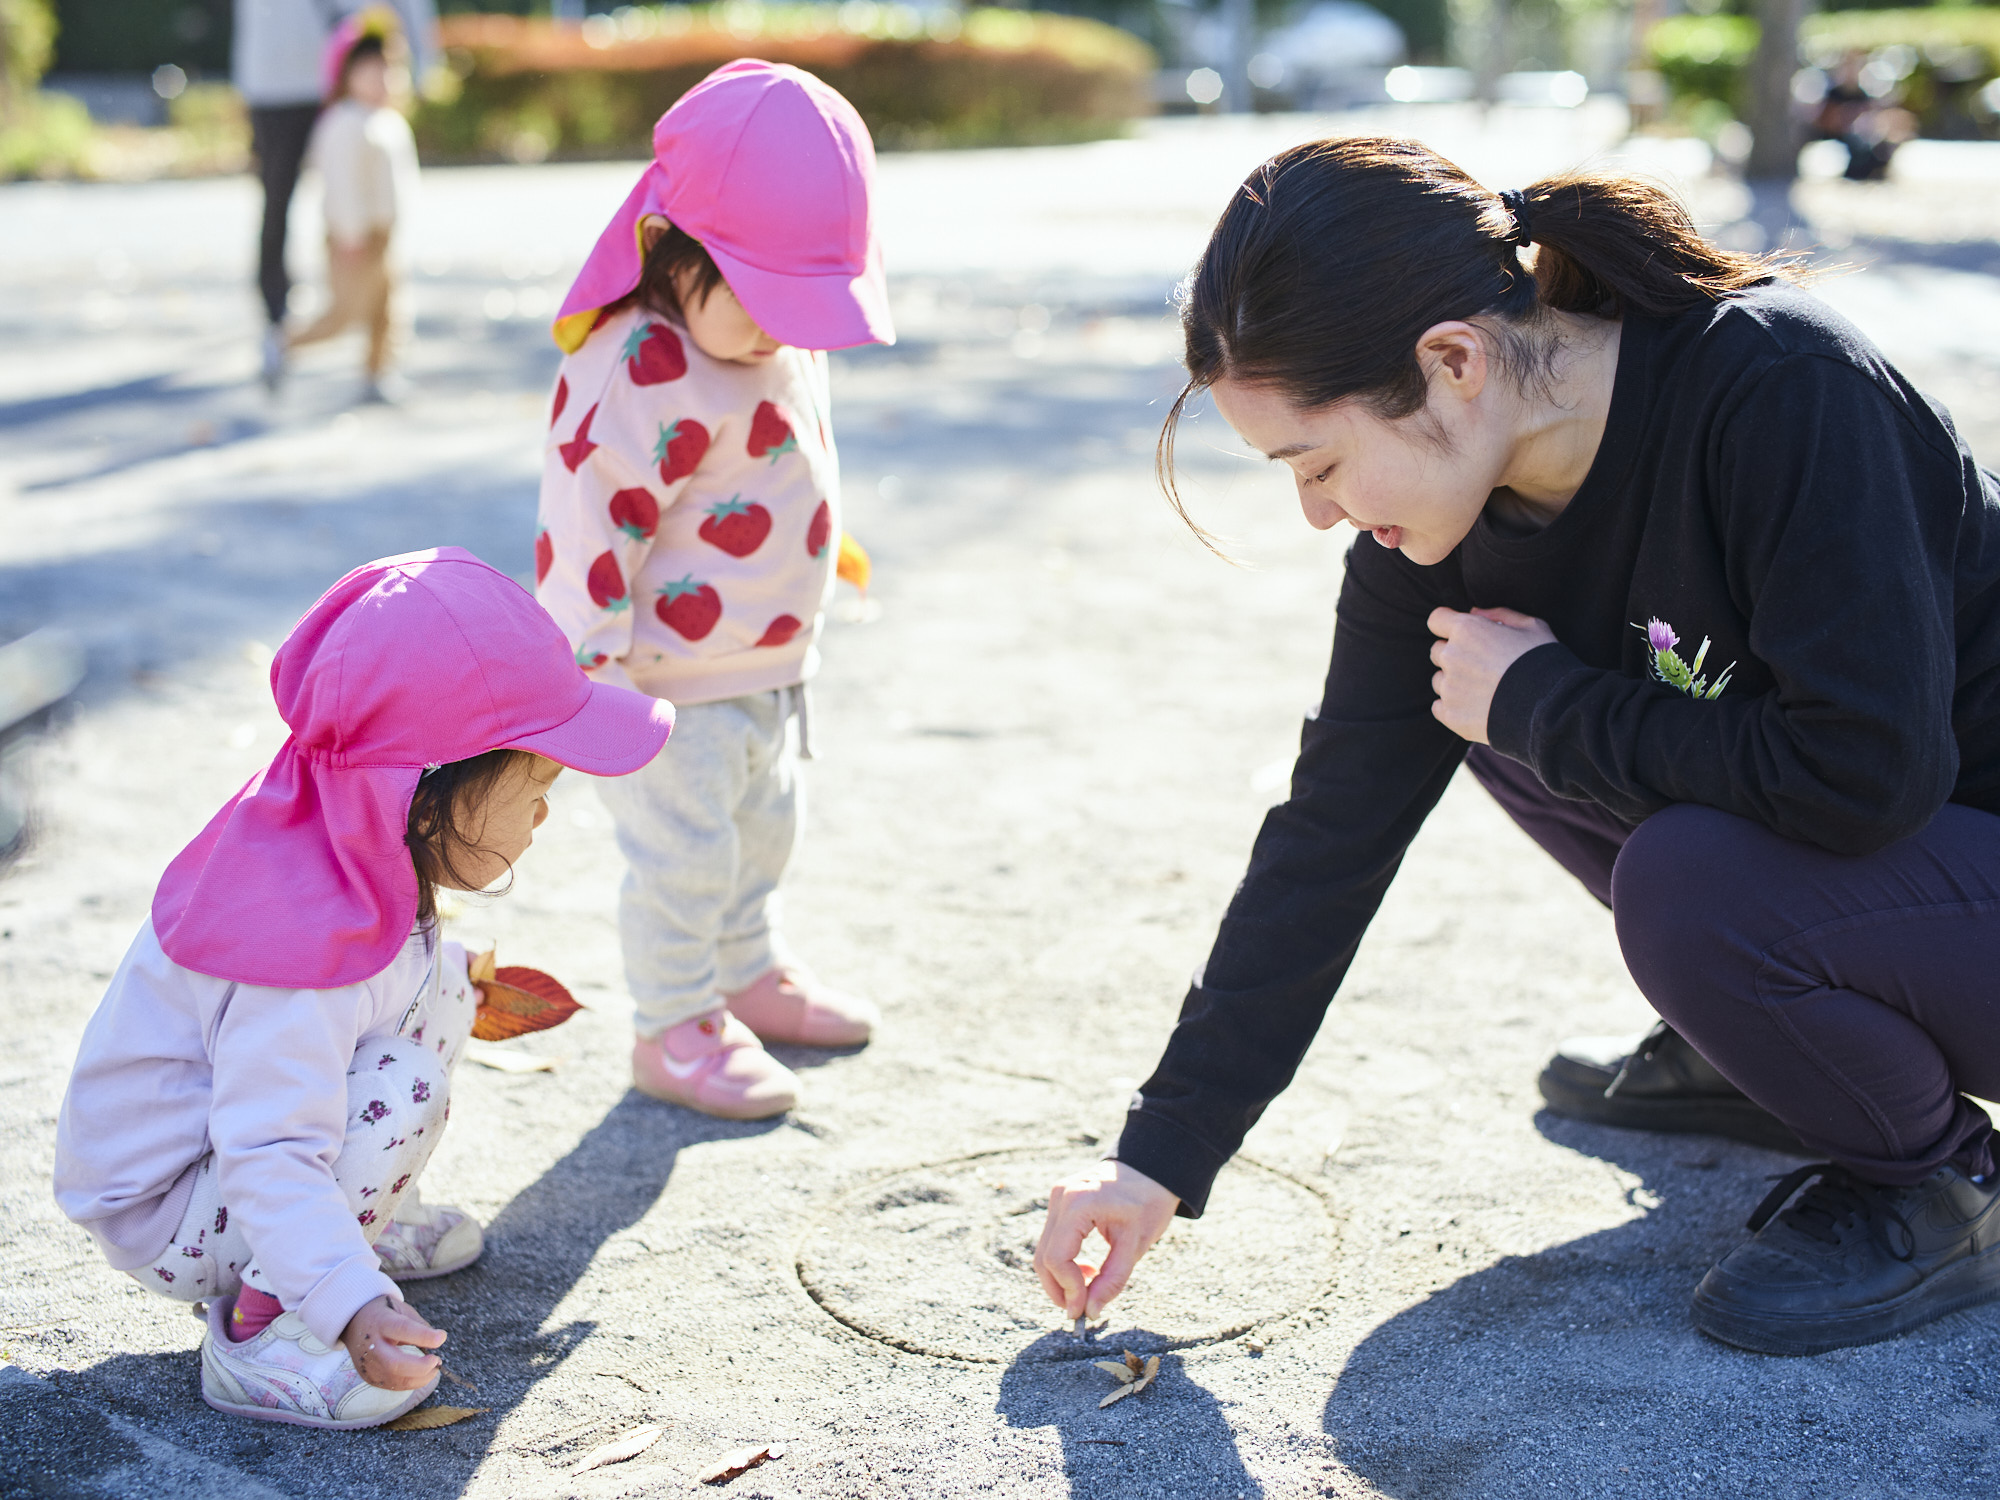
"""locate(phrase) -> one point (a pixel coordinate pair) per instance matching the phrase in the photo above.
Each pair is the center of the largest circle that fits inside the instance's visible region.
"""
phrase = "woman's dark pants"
(1857, 998)
(279, 135)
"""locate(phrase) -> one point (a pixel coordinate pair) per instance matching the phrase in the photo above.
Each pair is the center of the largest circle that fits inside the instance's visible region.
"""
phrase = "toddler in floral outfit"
(690, 521)
(271, 1067)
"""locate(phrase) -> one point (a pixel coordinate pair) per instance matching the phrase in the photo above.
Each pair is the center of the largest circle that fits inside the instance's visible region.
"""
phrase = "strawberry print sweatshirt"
(690, 513)
(175, 1064)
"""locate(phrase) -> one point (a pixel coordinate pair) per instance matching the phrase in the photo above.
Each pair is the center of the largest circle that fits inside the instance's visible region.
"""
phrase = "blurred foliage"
(27, 42)
(525, 89)
(137, 36)
(1939, 58)
(40, 134)
(207, 133)
(44, 135)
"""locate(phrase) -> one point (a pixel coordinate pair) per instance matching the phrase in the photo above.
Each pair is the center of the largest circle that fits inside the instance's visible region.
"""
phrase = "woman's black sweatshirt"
(1766, 480)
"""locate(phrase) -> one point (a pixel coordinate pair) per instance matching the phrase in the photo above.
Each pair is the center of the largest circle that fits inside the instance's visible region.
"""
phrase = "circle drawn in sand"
(939, 1260)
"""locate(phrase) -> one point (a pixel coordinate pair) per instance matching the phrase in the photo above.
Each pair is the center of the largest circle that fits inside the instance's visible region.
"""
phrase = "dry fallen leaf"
(479, 967)
(489, 1056)
(517, 1001)
(635, 1442)
(426, 1417)
(731, 1464)
(1133, 1375)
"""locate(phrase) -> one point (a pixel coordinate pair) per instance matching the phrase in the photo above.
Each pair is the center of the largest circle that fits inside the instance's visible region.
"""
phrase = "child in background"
(367, 161)
(268, 1073)
(690, 519)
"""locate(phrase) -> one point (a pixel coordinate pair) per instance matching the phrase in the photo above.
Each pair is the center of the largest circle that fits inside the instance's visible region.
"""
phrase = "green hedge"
(526, 89)
(1950, 53)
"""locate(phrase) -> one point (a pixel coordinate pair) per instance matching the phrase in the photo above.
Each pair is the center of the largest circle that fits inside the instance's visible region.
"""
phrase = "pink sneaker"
(714, 1064)
(791, 1005)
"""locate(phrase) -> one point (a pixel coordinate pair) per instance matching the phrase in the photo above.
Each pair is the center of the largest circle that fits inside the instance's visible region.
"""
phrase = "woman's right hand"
(1126, 1206)
(375, 1337)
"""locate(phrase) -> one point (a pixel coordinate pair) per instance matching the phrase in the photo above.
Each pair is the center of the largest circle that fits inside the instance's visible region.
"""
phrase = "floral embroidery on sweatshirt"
(1667, 666)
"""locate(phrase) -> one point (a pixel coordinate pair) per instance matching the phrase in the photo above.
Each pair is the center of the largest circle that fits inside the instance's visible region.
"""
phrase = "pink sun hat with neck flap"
(774, 173)
(303, 880)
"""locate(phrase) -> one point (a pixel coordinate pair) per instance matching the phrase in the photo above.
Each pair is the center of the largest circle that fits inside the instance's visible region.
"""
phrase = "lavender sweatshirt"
(176, 1064)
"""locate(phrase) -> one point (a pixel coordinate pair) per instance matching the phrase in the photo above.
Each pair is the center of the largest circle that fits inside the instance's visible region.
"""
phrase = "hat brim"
(839, 311)
(616, 732)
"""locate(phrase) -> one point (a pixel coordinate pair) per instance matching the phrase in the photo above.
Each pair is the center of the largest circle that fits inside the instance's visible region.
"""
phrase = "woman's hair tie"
(1516, 202)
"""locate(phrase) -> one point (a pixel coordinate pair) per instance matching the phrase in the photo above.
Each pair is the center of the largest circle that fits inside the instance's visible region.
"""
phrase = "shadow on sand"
(1180, 1444)
(1577, 1371)
(537, 1249)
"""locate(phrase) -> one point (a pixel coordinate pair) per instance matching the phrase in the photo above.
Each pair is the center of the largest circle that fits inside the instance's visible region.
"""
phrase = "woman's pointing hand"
(1127, 1207)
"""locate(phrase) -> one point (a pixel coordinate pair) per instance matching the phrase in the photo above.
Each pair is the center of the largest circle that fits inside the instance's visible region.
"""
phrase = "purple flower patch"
(221, 1220)
(368, 1192)
(401, 1183)
(192, 1252)
(366, 1216)
(388, 1059)
(376, 1110)
(419, 1091)
(163, 1273)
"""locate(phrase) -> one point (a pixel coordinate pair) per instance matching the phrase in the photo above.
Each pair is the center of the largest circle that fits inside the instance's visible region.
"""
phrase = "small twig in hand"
(458, 1380)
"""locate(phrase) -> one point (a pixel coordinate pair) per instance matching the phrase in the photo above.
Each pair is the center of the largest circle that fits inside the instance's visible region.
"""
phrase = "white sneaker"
(425, 1239)
(286, 1375)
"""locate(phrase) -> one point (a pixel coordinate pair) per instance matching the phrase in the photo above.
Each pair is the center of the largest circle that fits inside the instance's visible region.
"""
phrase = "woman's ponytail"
(1335, 256)
(1606, 243)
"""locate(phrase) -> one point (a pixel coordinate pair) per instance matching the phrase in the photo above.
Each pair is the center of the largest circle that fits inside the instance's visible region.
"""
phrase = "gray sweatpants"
(707, 830)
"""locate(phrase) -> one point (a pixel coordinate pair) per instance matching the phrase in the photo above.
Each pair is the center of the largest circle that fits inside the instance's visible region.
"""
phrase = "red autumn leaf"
(518, 1001)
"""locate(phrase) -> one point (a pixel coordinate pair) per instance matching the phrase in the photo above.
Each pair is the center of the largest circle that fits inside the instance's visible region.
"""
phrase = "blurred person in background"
(367, 161)
(1869, 123)
(275, 64)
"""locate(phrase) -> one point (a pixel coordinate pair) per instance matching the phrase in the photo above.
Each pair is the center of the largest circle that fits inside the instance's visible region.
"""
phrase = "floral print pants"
(398, 1099)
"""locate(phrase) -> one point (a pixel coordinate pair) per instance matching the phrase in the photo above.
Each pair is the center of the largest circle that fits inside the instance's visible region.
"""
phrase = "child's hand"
(1127, 1207)
(375, 1337)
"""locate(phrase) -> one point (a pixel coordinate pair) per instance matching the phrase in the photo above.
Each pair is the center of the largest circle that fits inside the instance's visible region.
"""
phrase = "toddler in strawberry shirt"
(690, 520)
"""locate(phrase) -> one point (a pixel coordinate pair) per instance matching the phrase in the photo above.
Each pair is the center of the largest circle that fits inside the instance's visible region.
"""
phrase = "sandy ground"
(1043, 760)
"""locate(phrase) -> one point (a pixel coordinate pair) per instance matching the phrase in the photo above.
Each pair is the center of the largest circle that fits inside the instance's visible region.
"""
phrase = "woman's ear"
(650, 229)
(1453, 355)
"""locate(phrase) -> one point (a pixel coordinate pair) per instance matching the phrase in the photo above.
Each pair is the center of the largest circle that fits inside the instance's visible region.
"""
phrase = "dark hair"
(675, 255)
(435, 839)
(1335, 256)
(370, 45)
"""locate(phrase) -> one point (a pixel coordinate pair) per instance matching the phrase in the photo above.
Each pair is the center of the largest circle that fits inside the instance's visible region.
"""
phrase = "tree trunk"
(1774, 130)
(1240, 21)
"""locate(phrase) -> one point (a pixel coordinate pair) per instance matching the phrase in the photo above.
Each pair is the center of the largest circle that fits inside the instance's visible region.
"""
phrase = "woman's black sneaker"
(1663, 1084)
(1852, 1262)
